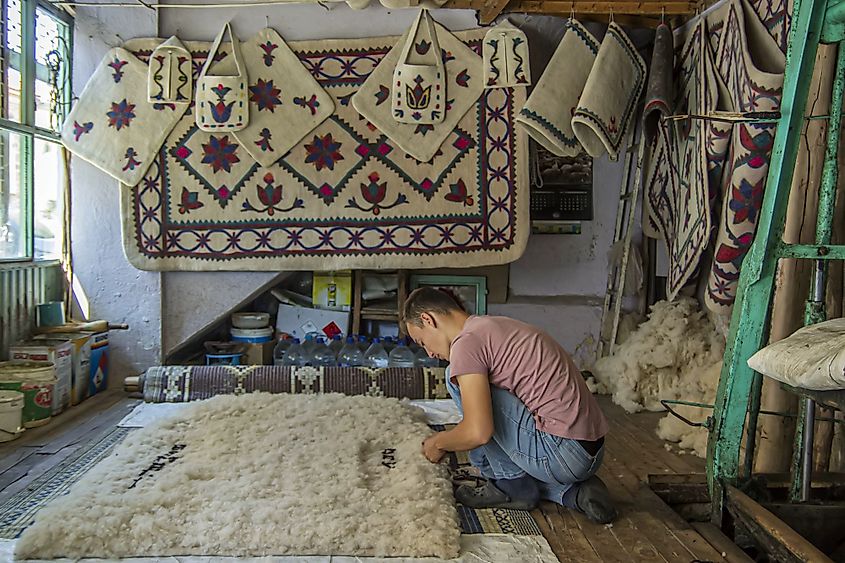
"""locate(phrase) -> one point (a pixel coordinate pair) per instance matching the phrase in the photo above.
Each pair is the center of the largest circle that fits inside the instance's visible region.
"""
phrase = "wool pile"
(675, 354)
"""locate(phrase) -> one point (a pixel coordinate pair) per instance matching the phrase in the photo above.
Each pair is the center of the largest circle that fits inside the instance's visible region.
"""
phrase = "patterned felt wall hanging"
(464, 70)
(221, 103)
(285, 101)
(676, 187)
(346, 196)
(170, 75)
(744, 45)
(547, 115)
(419, 78)
(112, 126)
(658, 102)
(611, 94)
(505, 57)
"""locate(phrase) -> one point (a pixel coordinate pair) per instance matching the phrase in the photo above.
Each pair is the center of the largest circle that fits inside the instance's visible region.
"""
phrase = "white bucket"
(11, 415)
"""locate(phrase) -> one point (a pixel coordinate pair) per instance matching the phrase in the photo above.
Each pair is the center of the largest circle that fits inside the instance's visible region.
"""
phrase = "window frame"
(26, 128)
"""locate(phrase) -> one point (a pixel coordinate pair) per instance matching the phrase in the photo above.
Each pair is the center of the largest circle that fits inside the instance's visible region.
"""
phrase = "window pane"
(51, 70)
(14, 225)
(12, 59)
(49, 200)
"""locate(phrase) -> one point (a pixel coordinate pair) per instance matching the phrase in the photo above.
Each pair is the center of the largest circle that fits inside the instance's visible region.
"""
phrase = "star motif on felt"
(121, 114)
(265, 95)
(323, 152)
(220, 153)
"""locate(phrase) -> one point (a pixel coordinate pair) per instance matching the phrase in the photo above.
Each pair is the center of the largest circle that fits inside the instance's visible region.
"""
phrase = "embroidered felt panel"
(343, 197)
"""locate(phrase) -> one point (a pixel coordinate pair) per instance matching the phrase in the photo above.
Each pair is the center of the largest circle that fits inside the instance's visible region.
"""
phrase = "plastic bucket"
(11, 415)
(252, 335)
(36, 380)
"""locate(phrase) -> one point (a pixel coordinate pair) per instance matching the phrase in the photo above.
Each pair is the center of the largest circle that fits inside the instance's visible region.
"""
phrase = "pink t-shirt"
(530, 364)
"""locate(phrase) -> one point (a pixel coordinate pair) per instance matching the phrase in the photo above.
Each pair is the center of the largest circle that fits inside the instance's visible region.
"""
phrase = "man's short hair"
(428, 300)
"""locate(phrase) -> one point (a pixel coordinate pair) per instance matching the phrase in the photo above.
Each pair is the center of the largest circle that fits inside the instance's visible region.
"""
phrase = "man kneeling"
(531, 426)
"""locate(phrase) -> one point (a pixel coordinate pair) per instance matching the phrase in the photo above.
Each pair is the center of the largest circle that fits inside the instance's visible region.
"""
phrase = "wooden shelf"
(381, 312)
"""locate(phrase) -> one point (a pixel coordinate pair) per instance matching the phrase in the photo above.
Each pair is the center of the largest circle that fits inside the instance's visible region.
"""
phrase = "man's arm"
(475, 429)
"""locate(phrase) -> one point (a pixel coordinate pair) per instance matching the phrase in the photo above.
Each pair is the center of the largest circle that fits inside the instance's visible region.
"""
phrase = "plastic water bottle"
(388, 343)
(280, 349)
(309, 344)
(423, 360)
(322, 355)
(376, 356)
(295, 355)
(363, 344)
(336, 344)
(401, 356)
(350, 355)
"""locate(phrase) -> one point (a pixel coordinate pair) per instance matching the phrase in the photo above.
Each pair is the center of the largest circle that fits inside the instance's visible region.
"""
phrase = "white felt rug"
(437, 411)
(260, 474)
(475, 548)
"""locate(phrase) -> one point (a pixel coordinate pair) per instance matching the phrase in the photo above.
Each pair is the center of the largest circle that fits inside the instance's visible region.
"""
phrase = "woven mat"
(345, 196)
(18, 512)
(488, 520)
(174, 384)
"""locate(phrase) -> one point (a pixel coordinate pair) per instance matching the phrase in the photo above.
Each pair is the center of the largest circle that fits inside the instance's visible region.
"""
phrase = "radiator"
(22, 287)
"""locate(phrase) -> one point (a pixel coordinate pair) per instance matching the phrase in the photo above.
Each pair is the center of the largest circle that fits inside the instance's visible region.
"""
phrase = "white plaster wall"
(113, 289)
(194, 300)
(558, 284)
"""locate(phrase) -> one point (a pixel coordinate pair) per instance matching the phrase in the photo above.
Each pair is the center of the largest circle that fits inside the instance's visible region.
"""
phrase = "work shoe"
(593, 499)
(467, 476)
(522, 494)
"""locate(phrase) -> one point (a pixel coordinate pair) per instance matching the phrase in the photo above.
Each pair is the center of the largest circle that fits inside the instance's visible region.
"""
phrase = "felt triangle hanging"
(285, 101)
(169, 77)
(464, 85)
(505, 54)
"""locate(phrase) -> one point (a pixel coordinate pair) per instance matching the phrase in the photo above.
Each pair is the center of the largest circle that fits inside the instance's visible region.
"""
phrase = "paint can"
(36, 380)
(51, 313)
(11, 415)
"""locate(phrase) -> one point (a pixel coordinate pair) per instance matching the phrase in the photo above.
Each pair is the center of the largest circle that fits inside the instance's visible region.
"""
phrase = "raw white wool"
(675, 354)
(693, 438)
(260, 474)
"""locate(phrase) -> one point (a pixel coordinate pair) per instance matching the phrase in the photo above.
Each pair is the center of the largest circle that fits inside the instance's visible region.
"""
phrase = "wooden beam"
(770, 532)
(565, 8)
(722, 543)
(491, 10)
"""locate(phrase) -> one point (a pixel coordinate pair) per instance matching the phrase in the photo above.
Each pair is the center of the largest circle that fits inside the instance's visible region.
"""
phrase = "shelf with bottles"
(353, 351)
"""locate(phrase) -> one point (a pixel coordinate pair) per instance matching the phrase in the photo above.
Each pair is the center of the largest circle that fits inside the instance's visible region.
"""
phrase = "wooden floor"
(647, 529)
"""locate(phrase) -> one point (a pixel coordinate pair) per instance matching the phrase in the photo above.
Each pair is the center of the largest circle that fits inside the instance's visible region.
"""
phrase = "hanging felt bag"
(505, 53)
(221, 103)
(419, 79)
(169, 78)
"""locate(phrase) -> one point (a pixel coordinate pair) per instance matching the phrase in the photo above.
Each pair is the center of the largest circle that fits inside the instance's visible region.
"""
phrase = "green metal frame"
(479, 282)
(738, 395)
(26, 128)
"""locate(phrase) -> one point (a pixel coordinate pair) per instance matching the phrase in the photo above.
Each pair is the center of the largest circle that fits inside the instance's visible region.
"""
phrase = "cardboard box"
(332, 290)
(258, 354)
(81, 373)
(99, 363)
(299, 321)
(60, 352)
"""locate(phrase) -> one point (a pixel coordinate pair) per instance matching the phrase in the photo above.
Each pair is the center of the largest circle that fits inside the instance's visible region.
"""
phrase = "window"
(35, 90)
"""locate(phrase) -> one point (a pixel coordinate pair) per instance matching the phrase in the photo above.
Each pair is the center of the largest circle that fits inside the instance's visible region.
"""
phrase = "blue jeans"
(518, 448)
